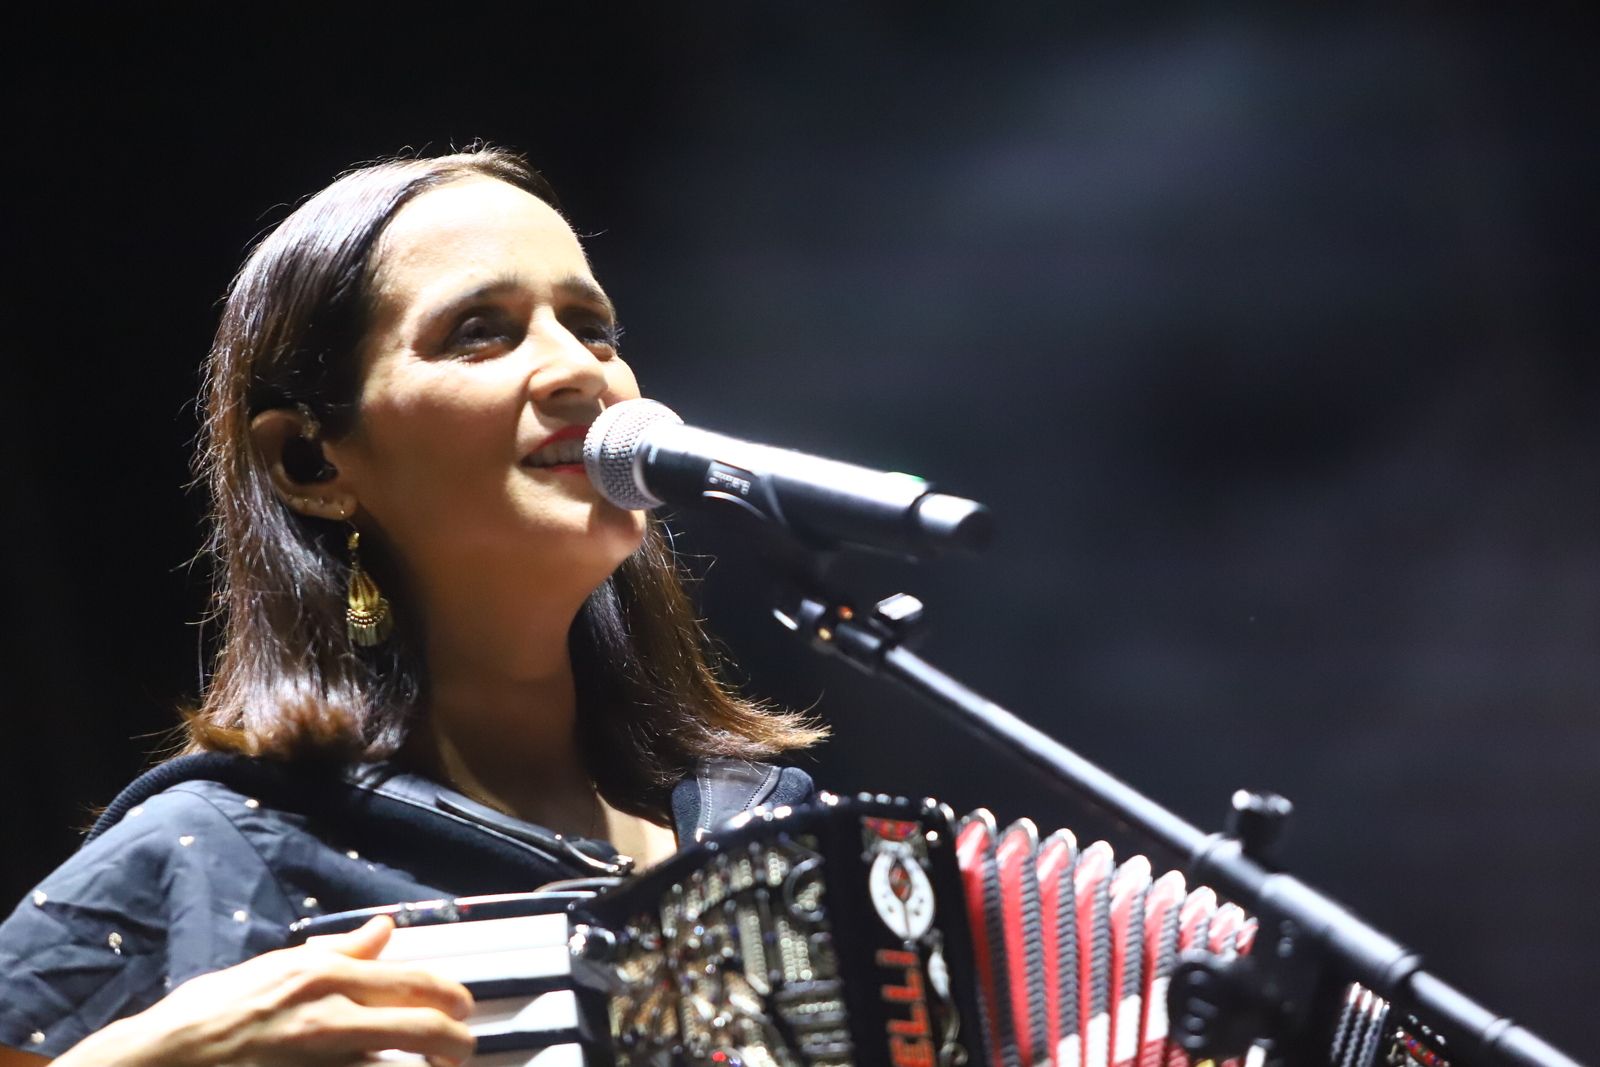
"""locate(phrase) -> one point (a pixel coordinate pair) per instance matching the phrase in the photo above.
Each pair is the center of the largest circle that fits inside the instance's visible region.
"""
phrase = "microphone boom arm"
(1314, 946)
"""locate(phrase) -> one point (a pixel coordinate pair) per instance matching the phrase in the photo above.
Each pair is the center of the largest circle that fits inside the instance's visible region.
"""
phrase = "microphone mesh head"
(611, 450)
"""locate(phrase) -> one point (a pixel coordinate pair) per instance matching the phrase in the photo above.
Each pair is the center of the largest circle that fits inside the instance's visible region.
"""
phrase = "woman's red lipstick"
(568, 465)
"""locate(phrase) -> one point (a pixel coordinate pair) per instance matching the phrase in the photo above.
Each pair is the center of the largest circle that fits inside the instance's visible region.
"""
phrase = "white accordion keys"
(516, 962)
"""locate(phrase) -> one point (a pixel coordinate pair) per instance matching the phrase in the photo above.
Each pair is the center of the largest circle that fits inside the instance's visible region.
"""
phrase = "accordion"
(871, 932)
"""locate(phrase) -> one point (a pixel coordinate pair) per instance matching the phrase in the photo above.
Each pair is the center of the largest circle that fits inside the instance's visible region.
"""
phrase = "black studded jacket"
(206, 860)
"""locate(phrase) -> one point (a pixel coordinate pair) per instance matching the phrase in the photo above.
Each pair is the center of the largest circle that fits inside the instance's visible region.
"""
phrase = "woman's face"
(490, 337)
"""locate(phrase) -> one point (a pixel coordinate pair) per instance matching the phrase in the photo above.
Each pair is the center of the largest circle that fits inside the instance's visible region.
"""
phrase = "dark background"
(1270, 339)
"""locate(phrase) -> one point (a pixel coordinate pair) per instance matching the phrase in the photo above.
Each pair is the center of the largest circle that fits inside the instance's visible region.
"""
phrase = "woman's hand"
(332, 1003)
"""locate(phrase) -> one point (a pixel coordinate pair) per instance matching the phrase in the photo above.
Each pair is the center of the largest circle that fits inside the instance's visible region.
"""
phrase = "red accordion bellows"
(1074, 951)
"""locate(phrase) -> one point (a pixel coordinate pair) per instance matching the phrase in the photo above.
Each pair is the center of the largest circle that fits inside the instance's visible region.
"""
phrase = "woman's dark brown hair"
(288, 682)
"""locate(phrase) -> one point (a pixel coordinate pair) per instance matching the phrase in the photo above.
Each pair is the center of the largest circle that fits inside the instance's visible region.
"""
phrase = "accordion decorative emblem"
(736, 950)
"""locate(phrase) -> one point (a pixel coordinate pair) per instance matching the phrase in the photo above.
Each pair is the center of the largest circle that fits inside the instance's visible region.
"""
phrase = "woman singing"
(448, 667)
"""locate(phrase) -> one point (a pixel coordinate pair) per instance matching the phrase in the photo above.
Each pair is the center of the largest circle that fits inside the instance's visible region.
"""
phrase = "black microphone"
(639, 454)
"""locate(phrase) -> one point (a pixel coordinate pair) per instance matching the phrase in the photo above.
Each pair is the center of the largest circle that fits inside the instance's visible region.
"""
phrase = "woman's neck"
(505, 734)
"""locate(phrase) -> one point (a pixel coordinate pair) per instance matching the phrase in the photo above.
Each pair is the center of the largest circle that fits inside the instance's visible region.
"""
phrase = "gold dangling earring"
(366, 612)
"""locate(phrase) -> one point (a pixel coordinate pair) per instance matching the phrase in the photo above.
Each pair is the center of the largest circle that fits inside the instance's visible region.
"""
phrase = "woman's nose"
(566, 370)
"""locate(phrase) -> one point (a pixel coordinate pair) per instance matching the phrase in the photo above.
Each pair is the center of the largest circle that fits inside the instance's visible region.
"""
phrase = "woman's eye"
(482, 330)
(598, 332)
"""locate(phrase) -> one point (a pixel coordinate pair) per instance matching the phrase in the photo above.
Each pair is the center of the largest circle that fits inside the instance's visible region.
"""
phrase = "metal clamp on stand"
(836, 628)
(1219, 1005)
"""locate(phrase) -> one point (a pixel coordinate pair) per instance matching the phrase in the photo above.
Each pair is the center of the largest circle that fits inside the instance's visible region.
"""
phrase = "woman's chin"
(608, 520)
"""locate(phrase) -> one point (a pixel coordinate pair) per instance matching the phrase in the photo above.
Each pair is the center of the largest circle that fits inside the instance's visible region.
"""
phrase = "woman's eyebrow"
(587, 290)
(447, 308)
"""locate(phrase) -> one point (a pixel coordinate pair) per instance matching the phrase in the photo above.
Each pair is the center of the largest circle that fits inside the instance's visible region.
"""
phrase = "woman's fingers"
(335, 1028)
(364, 943)
(373, 983)
(376, 984)
(294, 1007)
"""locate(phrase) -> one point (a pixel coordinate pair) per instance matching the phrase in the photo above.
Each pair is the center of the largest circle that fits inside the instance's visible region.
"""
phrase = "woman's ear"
(289, 440)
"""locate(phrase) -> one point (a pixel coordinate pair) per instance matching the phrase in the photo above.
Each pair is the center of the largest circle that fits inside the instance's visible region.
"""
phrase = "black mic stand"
(1287, 992)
